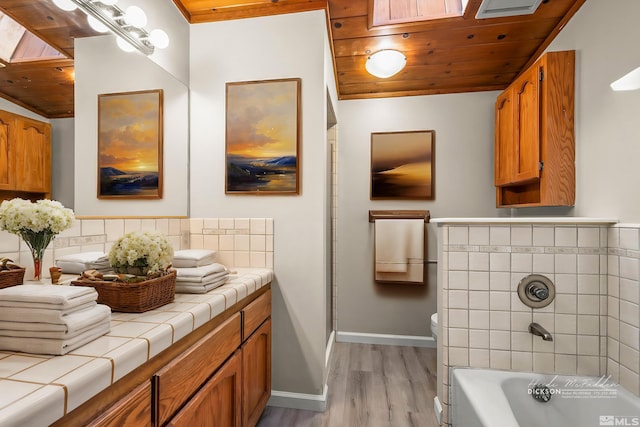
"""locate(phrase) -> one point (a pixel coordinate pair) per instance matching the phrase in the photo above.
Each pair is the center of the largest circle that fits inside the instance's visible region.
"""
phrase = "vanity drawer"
(255, 313)
(181, 378)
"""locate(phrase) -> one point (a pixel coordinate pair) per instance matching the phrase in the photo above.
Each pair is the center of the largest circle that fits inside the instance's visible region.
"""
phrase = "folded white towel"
(73, 323)
(54, 346)
(182, 288)
(40, 315)
(202, 271)
(209, 278)
(189, 258)
(53, 297)
(77, 263)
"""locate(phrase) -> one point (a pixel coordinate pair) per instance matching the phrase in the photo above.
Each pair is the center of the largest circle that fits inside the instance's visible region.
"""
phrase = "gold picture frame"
(263, 137)
(402, 165)
(130, 146)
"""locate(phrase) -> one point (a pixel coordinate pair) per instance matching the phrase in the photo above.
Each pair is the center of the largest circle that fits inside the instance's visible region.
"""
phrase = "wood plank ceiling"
(455, 54)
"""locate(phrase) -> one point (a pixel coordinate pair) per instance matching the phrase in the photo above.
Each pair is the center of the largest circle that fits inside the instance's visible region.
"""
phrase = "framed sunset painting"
(263, 137)
(402, 165)
(130, 145)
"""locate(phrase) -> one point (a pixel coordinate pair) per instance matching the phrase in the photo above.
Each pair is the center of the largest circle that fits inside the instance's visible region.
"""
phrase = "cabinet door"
(504, 139)
(218, 402)
(7, 126)
(134, 410)
(33, 156)
(527, 138)
(256, 374)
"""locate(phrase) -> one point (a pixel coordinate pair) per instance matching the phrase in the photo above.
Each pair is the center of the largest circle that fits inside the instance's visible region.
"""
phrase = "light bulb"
(67, 5)
(97, 25)
(135, 16)
(159, 38)
(124, 45)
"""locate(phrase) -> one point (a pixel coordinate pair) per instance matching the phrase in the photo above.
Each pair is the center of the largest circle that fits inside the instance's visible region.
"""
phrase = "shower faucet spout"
(538, 330)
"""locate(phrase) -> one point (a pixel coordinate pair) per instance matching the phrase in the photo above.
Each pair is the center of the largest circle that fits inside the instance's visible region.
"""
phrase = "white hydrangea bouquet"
(141, 253)
(37, 223)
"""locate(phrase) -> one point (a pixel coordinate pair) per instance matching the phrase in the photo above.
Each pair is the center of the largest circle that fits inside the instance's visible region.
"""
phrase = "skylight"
(17, 44)
(386, 12)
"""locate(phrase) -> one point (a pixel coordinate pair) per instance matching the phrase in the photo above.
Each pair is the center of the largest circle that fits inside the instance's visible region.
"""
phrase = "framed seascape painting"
(130, 145)
(402, 165)
(263, 137)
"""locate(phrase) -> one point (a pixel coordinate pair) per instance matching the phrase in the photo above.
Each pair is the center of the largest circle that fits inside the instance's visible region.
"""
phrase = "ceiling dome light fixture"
(67, 5)
(385, 63)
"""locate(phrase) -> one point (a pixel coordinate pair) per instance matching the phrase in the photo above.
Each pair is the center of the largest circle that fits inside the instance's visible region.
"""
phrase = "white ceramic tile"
(629, 313)
(130, 329)
(162, 225)
(566, 364)
(227, 242)
(31, 404)
(148, 224)
(196, 225)
(86, 381)
(241, 259)
(458, 260)
(589, 237)
(500, 320)
(629, 358)
(155, 316)
(517, 305)
(566, 283)
(479, 358)
(101, 346)
(588, 264)
(588, 366)
(543, 236)
(500, 359)
(499, 261)
(269, 226)
(543, 263)
(269, 243)
(478, 300)
(132, 224)
(459, 318)
(500, 300)
(230, 296)
(226, 257)
(210, 224)
(458, 356)
(630, 268)
(500, 281)
(588, 304)
(242, 223)
(51, 369)
(258, 226)
(499, 340)
(258, 259)
(521, 341)
(629, 238)
(629, 290)
(613, 370)
(226, 223)
(613, 286)
(499, 235)
(9, 242)
(182, 325)
(479, 280)
(478, 261)
(174, 226)
(566, 263)
(629, 335)
(242, 243)
(565, 343)
(458, 337)
(522, 263)
(541, 346)
(520, 321)
(458, 280)
(613, 328)
(479, 235)
(588, 324)
(258, 243)
(211, 241)
(159, 338)
(543, 363)
(91, 227)
(589, 284)
(478, 338)
(521, 235)
(458, 299)
(521, 361)
(613, 237)
(16, 363)
(629, 380)
(566, 236)
(458, 235)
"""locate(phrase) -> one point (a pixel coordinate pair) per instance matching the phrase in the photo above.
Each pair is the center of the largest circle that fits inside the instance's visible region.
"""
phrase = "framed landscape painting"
(402, 165)
(263, 137)
(130, 145)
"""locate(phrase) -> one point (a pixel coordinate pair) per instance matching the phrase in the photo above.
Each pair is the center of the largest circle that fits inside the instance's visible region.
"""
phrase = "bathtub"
(491, 398)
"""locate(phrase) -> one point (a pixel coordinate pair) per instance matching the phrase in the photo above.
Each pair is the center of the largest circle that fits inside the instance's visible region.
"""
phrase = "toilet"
(434, 326)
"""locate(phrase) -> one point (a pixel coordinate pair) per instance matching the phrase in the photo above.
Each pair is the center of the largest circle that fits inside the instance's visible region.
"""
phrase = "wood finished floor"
(371, 386)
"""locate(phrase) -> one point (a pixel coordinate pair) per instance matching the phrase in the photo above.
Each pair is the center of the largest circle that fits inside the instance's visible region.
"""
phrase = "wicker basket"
(134, 297)
(12, 277)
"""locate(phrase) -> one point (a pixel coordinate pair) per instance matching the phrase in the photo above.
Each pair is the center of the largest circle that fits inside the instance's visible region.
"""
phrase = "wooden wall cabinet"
(534, 135)
(25, 157)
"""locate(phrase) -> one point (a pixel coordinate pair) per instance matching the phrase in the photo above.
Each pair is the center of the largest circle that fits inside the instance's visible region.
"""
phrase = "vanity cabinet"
(25, 157)
(132, 410)
(534, 135)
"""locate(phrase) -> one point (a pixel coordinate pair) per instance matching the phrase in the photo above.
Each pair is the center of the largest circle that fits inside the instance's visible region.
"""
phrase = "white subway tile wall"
(240, 242)
(594, 319)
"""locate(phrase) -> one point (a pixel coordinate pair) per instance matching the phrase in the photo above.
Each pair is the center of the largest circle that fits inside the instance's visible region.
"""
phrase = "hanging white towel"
(399, 250)
(53, 297)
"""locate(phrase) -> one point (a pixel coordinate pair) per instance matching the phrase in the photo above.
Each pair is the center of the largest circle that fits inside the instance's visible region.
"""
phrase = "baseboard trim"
(383, 339)
(308, 402)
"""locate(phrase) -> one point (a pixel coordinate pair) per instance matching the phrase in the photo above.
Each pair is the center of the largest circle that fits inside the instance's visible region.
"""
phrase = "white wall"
(605, 36)
(101, 67)
(463, 125)
(277, 47)
(62, 161)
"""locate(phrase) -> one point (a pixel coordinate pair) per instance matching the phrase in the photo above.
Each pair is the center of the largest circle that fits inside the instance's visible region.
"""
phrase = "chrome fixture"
(536, 329)
(536, 291)
(128, 26)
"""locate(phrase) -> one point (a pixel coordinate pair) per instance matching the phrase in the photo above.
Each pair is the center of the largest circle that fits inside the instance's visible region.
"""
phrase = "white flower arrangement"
(142, 249)
(18, 216)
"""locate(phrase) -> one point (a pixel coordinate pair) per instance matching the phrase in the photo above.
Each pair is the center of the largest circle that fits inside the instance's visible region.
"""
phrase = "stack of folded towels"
(197, 271)
(50, 319)
(77, 263)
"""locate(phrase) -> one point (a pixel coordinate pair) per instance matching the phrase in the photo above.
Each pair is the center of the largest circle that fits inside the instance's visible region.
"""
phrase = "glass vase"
(37, 241)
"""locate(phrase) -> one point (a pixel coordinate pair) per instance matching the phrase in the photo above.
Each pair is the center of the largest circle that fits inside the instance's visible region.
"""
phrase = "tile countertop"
(36, 390)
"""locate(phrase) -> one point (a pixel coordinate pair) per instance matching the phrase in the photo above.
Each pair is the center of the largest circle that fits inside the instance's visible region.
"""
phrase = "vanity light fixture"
(128, 26)
(630, 81)
(385, 63)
